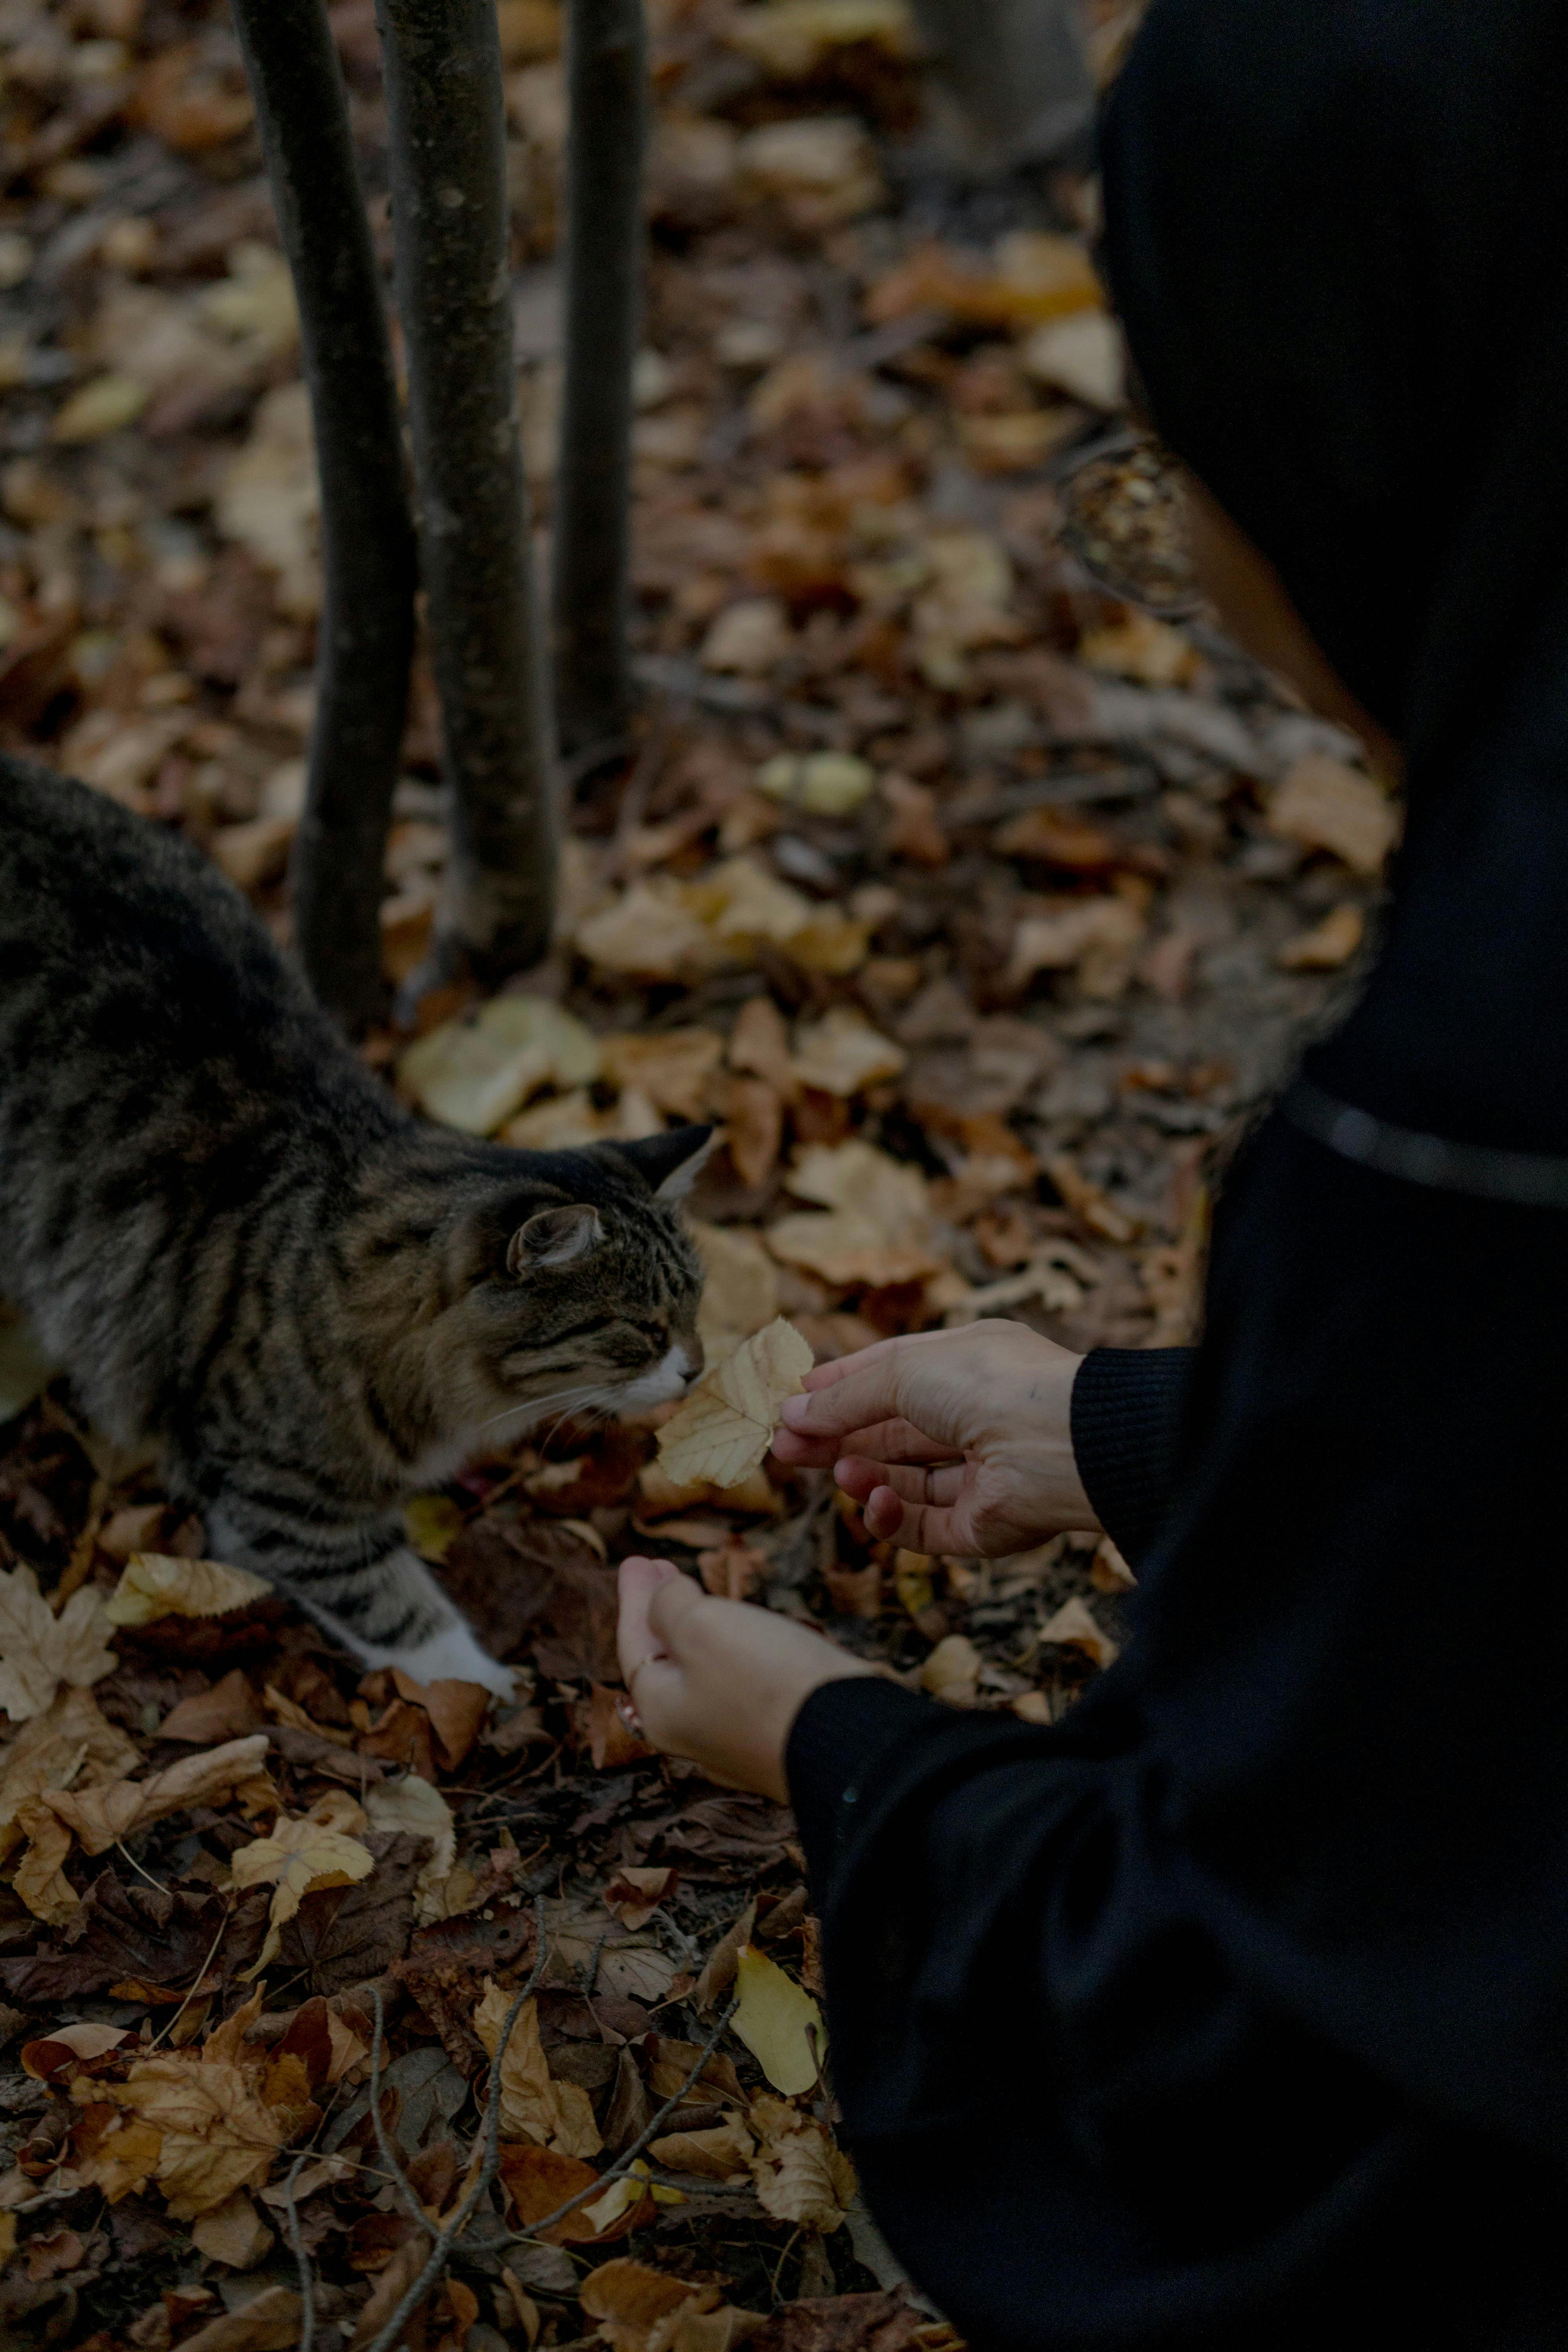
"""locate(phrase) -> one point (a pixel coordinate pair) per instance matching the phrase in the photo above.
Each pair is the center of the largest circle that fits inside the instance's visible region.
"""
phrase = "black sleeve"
(1128, 1409)
(1077, 2127)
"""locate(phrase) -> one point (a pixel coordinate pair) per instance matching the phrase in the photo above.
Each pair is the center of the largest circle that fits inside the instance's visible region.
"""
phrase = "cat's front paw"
(454, 1655)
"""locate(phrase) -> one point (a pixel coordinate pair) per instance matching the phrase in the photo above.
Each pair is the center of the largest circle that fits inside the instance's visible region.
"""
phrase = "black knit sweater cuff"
(1127, 1407)
(839, 1734)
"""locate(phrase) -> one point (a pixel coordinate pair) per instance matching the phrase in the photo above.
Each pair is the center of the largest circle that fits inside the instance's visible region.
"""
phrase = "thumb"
(640, 1580)
(670, 1609)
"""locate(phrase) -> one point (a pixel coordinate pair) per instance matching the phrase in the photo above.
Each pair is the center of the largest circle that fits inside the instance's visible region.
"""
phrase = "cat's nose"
(692, 1359)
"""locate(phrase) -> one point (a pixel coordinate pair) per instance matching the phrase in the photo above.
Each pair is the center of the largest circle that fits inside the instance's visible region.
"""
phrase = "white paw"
(452, 1656)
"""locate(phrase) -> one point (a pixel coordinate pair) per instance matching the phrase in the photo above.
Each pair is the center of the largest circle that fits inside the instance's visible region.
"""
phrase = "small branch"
(389, 2155)
(302, 2259)
(608, 84)
(489, 2165)
(366, 632)
(448, 165)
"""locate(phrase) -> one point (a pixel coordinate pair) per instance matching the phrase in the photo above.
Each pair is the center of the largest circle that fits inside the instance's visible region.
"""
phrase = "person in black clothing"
(1231, 2013)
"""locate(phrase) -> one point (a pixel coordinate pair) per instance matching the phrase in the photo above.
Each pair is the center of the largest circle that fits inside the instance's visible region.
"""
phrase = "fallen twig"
(447, 2236)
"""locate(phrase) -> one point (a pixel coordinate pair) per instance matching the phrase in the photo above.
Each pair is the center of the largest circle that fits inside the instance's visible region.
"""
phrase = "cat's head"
(579, 1286)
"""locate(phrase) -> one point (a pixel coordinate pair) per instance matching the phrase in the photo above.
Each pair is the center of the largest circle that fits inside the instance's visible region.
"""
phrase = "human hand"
(950, 1440)
(719, 1681)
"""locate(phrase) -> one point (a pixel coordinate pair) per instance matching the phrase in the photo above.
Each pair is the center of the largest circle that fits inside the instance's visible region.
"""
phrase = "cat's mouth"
(674, 1373)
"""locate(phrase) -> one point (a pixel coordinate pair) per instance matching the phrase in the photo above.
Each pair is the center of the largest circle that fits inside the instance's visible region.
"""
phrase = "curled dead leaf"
(722, 1430)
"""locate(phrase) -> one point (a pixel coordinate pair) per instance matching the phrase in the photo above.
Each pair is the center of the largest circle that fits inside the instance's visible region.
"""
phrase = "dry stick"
(447, 2236)
(606, 50)
(366, 633)
(447, 166)
(389, 2155)
(302, 2259)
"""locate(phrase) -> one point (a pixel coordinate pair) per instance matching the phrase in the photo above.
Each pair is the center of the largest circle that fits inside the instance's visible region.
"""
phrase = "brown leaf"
(718, 1969)
(733, 1571)
(1075, 1628)
(723, 2153)
(347, 1935)
(159, 1938)
(230, 1711)
(538, 2180)
(800, 2176)
(1323, 804)
(915, 831)
(38, 1651)
(1328, 944)
(232, 2234)
(155, 1585)
(635, 1893)
(1088, 1202)
(671, 1066)
(392, 2284)
(534, 2106)
(39, 1878)
(612, 1742)
(759, 1043)
(840, 2322)
(753, 1115)
(100, 1817)
(455, 1710)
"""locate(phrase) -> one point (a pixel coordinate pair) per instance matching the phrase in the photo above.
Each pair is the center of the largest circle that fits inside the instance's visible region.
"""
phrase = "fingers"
(636, 1640)
(916, 1526)
(884, 1441)
(864, 1390)
(673, 1601)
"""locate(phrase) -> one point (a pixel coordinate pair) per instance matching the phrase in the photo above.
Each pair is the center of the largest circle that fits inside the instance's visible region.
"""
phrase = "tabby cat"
(238, 1244)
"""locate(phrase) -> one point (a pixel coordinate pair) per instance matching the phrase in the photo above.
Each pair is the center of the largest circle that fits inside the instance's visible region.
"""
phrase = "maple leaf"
(38, 1651)
(103, 1815)
(724, 1428)
(313, 1850)
(413, 1804)
(71, 1744)
(216, 2134)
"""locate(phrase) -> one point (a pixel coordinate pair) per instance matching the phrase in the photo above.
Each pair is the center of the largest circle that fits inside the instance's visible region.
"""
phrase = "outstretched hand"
(719, 1681)
(950, 1440)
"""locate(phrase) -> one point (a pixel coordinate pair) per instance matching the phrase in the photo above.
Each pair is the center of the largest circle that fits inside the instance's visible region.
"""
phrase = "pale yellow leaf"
(1323, 804)
(826, 783)
(843, 1054)
(153, 1585)
(1074, 1626)
(724, 1428)
(651, 931)
(473, 1074)
(313, 1850)
(411, 1803)
(952, 1671)
(101, 407)
(779, 2022)
(38, 1651)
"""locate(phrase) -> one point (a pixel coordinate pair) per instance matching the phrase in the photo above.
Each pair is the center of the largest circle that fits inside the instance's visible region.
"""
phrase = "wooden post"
(448, 158)
(366, 631)
(606, 240)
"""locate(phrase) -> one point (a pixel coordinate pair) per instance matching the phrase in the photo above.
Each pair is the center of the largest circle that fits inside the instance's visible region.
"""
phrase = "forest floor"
(980, 909)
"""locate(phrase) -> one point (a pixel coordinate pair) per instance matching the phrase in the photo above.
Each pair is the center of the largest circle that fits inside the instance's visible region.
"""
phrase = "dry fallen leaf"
(414, 1805)
(1323, 804)
(232, 2234)
(719, 2154)
(71, 1745)
(843, 1054)
(671, 1067)
(315, 1850)
(1328, 944)
(951, 1672)
(636, 1892)
(473, 1074)
(100, 1816)
(534, 2105)
(740, 1284)
(879, 1230)
(153, 1585)
(800, 2175)
(38, 1651)
(1074, 1627)
(722, 1430)
(779, 2022)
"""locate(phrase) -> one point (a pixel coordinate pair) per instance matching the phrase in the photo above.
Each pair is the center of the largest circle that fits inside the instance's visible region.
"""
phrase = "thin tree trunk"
(608, 84)
(448, 158)
(366, 631)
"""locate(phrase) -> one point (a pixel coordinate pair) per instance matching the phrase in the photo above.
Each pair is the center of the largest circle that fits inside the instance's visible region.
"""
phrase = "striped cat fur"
(239, 1244)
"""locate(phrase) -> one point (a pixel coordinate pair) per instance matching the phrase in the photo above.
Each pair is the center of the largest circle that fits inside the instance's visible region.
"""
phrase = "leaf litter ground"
(980, 912)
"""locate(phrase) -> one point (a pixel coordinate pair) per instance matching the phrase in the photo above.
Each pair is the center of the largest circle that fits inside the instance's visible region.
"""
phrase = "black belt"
(1534, 1179)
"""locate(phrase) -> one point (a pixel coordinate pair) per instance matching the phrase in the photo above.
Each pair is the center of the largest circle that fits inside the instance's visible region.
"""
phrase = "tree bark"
(366, 631)
(448, 159)
(607, 87)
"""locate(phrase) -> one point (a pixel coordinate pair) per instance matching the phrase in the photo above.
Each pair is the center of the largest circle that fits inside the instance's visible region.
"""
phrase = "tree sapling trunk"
(366, 631)
(607, 86)
(448, 159)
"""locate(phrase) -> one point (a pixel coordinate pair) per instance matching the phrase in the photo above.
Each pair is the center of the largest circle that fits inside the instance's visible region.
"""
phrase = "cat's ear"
(671, 1161)
(553, 1237)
